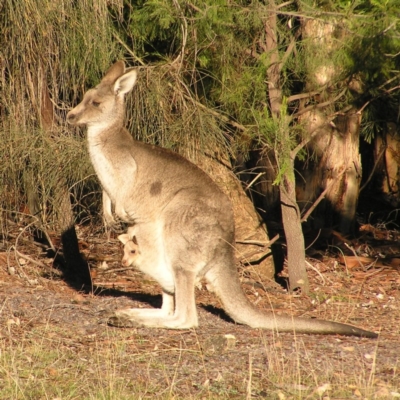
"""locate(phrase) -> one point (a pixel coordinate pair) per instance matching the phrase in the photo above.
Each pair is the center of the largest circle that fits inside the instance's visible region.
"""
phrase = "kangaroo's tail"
(226, 285)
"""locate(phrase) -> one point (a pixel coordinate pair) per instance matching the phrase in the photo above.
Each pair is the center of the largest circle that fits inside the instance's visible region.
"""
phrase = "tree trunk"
(387, 171)
(291, 218)
(335, 143)
(294, 236)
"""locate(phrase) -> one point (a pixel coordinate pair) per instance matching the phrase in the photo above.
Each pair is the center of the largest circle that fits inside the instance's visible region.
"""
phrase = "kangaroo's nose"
(71, 117)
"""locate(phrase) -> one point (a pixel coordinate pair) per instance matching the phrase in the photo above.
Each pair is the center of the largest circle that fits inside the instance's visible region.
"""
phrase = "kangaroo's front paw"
(116, 226)
(121, 213)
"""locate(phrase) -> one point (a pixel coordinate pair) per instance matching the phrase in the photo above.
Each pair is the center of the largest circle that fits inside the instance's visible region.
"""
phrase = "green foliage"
(376, 59)
(216, 37)
(154, 28)
(373, 49)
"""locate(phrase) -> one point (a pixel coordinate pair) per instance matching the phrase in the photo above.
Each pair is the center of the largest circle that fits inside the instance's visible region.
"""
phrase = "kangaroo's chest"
(105, 170)
(116, 170)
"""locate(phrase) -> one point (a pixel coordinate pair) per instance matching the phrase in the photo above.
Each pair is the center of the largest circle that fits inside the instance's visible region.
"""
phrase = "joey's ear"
(134, 240)
(124, 238)
(125, 83)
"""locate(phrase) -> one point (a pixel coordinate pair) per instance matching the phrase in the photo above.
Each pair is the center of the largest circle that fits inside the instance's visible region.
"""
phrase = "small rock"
(219, 344)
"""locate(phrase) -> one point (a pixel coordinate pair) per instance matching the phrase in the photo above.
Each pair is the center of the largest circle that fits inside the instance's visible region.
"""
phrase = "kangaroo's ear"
(124, 84)
(134, 240)
(114, 72)
(124, 238)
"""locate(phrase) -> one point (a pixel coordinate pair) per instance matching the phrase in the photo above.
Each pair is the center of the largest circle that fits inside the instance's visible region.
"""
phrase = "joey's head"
(131, 249)
(104, 105)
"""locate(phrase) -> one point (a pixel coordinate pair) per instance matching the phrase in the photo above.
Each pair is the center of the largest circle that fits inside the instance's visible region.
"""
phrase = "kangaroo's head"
(104, 105)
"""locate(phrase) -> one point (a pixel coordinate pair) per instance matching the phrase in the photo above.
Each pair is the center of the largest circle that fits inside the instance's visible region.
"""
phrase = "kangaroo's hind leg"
(183, 317)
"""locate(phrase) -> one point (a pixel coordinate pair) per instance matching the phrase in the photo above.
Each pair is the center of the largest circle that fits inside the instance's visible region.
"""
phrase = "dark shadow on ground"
(154, 301)
(219, 312)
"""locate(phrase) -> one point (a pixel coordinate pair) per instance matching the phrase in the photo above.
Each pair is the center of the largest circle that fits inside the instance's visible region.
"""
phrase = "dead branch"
(258, 243)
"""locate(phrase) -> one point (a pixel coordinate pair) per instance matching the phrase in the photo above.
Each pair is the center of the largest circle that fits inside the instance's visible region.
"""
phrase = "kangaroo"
(131, 248)
(183, 221)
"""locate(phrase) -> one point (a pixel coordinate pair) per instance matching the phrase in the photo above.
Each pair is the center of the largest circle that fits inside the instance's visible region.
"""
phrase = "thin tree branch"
(306, 140)
(258, 243)
(288, 3)
(123, 44)
(377, 97)
(289, 50)
(252, 182)
(40, 264)
(301, 96)
(220, 116)
(184, 29)
(320, 105)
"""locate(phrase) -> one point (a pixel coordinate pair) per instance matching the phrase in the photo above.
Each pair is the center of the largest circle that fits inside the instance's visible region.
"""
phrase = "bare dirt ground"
(37, 307)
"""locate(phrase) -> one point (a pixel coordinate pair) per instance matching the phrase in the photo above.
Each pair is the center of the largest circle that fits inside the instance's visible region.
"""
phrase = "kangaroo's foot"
(154, 318)
(132, 317)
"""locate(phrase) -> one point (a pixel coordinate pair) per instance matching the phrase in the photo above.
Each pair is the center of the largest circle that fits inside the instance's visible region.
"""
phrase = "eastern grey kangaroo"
(183, 221)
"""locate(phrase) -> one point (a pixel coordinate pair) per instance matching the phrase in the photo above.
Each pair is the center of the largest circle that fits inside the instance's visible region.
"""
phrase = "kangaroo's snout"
(72, 117)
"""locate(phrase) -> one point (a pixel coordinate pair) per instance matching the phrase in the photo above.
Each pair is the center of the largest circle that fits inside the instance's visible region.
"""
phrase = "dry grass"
(52, 363)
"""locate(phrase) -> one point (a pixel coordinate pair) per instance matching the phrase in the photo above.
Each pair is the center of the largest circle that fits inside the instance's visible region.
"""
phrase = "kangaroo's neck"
(103, 132)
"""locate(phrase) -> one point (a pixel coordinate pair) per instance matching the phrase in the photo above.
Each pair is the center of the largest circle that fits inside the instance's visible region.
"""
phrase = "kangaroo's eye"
(133, 251)
(95, 104)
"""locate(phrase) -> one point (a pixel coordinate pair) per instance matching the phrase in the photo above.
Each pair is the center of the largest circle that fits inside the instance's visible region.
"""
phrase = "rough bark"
(337, 167)
(388, 164)
(294, 236)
